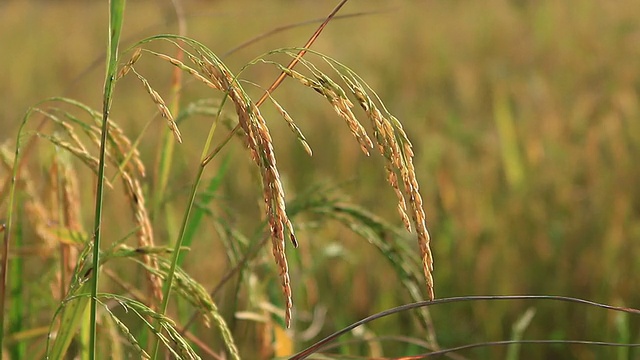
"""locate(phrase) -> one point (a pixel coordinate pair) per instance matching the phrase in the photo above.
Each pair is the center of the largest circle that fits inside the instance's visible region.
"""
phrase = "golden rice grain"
(127, 67)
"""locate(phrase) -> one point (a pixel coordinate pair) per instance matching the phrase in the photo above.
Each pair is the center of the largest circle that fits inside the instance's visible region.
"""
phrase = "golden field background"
(525, 120)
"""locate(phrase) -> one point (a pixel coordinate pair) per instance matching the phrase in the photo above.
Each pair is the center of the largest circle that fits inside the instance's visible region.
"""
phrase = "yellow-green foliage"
(525, 120)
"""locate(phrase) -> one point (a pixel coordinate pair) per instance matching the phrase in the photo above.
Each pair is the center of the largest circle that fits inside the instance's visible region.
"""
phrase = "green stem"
(166, 290)
(116, 12)
(5, 263)
(7, 229)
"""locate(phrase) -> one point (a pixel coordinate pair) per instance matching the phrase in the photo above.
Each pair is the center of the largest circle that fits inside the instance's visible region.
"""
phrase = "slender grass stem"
(429, 303)
(116, 14)
(174, 260)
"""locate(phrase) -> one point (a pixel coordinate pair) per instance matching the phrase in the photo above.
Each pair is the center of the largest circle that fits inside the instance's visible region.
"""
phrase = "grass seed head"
(193, 72)
(145, 230)
(162, 107)
(126, 150)
(127, 67)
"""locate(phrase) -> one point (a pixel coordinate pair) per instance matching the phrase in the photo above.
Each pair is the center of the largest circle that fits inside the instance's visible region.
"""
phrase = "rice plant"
(83, 136)
(523, 124)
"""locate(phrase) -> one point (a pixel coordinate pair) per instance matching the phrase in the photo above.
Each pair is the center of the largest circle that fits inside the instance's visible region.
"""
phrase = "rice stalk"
(130, 157)
(258, 140)
(42, 222)
(124, 330)
(115, 343)
(392, 142)
(71, 312)
(118, 153)
(116, 19)
(173, 338)
(197, 295)
(336, 96)
(115, 137)
(122, 154)
(395, 146)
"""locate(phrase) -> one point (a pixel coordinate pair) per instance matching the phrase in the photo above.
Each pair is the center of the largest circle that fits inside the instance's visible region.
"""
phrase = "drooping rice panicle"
(260, 144)
(90, 160)
(162, 106)
(193, 72)
(292, 125)
(129, 154)
(145, 231)
(391, 140)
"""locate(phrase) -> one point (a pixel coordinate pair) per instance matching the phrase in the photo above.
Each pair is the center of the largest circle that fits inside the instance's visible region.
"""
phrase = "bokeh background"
(525, 119)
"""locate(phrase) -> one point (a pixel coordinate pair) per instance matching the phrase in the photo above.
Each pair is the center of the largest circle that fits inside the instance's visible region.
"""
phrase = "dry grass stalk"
(162, 106)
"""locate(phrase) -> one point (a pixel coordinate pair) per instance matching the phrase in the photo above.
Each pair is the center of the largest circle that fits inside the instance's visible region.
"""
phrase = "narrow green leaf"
(16, 313)
(116, 17)
(73, 311)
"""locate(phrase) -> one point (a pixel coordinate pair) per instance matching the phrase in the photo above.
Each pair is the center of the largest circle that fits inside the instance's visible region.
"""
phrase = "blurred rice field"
(525, 117)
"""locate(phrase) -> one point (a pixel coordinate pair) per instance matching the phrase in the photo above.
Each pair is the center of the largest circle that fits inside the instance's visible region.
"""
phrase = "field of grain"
(525, 123)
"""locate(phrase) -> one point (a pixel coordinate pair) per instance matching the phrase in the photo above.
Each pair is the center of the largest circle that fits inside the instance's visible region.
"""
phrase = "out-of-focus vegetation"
(525, 117)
